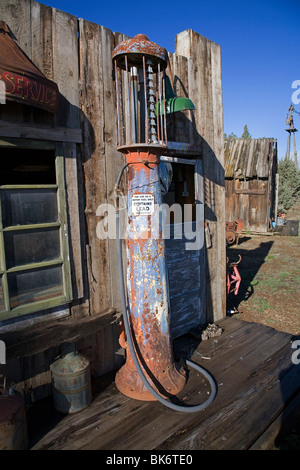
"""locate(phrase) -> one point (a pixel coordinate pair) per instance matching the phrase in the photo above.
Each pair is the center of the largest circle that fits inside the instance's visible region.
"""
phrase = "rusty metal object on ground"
(233, 231)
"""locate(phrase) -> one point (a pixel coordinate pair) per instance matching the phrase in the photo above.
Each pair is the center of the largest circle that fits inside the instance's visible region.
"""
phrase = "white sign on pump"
(142, 204)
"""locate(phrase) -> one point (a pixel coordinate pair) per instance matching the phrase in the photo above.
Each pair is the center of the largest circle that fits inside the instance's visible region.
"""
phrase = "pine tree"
(230, 137)
(246, 134)
(289, 185)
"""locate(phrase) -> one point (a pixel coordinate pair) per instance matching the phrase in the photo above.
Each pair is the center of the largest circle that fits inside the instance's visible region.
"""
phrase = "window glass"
(182, 191)
(29, 206)
(31, 246)
(27, 166)
(34, 262)
(31, 286)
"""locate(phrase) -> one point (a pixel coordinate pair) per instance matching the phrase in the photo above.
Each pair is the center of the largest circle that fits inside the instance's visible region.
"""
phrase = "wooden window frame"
(64, 259)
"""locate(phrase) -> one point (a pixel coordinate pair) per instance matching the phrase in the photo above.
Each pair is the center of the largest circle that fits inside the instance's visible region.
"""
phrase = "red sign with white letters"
(35, 92)
(22, 80)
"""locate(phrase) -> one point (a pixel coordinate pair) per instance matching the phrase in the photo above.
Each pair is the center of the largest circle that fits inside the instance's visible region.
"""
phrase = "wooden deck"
(258, 384)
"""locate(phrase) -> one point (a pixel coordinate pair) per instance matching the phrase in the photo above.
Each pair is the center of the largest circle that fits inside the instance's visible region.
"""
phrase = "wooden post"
(204, 69)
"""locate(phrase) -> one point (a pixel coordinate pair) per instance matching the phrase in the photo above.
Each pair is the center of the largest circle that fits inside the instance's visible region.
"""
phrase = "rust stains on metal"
(166, 377)
(144, 143)
(147, 286)
(134, 49)
(233, 231)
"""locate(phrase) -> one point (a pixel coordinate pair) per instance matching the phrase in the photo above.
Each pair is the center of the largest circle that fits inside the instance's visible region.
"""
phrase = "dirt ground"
(270, 284)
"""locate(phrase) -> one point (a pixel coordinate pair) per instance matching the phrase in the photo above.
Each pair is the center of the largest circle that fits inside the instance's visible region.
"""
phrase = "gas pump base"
(166, 383)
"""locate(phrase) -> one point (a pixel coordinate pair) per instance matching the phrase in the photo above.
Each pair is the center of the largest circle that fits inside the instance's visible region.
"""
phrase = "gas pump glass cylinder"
(139, 66)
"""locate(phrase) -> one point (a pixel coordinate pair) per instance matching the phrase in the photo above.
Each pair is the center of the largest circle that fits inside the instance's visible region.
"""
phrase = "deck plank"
(256, 380)
(244, 415)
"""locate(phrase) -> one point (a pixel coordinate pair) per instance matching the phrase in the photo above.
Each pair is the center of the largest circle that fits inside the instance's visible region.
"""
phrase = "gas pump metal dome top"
(138, 47)
(141, 77)
(139, 67)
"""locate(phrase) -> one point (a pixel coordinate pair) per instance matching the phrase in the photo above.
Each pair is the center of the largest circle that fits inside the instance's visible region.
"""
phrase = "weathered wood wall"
(250, 174)
(198, 73)
(76, 54)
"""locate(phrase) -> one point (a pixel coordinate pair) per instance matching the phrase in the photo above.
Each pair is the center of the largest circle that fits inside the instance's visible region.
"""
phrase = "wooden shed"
(59, 279)
(250, 182)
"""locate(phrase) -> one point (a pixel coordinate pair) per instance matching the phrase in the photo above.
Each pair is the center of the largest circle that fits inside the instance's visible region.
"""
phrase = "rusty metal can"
(13, 426)
(71, 383)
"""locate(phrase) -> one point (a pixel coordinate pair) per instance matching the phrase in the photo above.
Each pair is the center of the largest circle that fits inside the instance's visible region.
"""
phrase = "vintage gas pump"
(139, 68)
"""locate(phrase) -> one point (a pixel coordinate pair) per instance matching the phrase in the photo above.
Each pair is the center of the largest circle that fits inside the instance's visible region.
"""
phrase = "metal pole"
(117, 98)
(146, 103)
(134, 104)
(295, 150)
(128, 100)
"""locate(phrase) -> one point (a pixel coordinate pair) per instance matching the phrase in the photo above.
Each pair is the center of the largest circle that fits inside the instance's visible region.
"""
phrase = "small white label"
(143, 204)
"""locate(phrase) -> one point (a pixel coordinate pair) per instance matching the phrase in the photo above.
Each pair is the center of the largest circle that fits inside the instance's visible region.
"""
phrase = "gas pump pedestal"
(147, 283)
(140, 68)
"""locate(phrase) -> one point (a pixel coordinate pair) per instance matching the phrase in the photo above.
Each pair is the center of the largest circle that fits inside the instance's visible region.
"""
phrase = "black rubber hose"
(183, 408)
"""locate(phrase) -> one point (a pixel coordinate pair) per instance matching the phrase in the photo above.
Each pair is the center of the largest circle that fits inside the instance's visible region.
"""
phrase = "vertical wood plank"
(199, 196)
(62, 215)
(42, 38)
(17, 15)
(65, 67)
(94, 161)
(71, 173)
(219, 181)
(114, 159)
(207, 97)
(183, 120)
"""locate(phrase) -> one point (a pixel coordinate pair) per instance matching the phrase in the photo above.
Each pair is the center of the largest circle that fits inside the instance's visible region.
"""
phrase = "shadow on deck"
(257, 385)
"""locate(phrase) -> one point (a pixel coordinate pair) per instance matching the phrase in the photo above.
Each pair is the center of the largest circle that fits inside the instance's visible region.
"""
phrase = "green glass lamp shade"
(172, 102)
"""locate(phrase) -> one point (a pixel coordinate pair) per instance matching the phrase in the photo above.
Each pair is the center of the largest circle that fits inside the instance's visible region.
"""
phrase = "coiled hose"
(183, 408)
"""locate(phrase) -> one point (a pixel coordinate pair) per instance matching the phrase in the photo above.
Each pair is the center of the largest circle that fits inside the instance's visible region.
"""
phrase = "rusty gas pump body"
(139, 67)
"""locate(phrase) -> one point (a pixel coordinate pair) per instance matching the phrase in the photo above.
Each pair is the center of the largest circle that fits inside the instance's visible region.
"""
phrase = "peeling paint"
(148, 290)
(146, 264)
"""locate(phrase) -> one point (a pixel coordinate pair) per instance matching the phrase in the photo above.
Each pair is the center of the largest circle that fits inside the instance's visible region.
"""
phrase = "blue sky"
(260, 46)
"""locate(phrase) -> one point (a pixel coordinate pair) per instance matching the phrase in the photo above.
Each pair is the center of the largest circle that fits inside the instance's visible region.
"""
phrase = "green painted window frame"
(61, 224)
